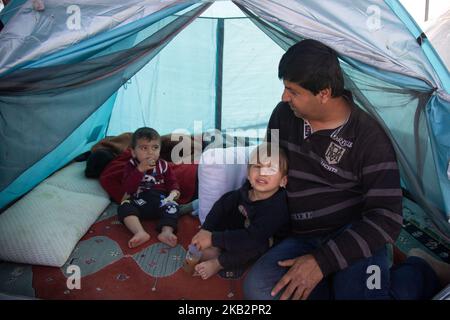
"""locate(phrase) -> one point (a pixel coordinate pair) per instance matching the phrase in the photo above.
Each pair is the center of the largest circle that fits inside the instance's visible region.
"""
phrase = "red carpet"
(128, 274)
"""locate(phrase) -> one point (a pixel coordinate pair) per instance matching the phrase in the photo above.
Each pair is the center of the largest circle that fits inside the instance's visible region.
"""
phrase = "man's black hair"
(144, 133)
(313, 66)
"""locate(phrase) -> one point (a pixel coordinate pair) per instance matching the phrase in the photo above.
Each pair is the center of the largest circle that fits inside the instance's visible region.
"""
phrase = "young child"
(151, 190)
(240, 226)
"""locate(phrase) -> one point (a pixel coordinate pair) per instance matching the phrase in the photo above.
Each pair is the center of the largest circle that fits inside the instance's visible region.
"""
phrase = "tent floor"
(153, 271)
(111, 270)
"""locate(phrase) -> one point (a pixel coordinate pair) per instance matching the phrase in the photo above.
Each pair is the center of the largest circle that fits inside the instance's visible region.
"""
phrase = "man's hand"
(202, 240)
(300, 280)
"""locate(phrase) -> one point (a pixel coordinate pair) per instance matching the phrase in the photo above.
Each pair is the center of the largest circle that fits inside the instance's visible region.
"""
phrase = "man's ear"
(133, 153)
(324, 95)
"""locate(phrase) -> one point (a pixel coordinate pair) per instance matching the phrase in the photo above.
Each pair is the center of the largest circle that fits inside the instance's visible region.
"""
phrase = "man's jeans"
(413, 279)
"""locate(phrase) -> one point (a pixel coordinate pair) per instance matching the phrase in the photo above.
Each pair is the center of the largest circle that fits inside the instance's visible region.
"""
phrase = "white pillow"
(45, 225)
(72, 178)
(219, 171)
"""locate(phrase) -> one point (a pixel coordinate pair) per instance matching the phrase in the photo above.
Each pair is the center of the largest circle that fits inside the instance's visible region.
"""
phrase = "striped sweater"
(337, 178)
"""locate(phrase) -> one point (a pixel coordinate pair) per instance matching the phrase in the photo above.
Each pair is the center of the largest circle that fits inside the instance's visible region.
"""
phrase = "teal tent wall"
(181, 86)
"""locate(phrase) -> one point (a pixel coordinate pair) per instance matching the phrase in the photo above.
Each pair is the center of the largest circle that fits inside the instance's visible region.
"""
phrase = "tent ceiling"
(223, 9)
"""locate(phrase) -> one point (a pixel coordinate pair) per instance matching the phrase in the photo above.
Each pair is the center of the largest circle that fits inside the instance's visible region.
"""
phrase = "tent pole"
(427, 9)
(219, 72)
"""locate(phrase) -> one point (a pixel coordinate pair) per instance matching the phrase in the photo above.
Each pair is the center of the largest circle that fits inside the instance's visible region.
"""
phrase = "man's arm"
(381, 216)
(380, 223)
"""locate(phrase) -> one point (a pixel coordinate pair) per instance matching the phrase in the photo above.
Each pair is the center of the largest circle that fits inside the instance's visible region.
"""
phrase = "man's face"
(303, 102)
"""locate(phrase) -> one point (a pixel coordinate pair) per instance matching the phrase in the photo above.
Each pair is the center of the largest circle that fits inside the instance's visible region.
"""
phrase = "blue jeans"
(412, 280)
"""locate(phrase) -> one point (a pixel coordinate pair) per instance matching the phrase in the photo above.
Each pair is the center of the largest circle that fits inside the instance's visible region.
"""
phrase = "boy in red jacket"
(150, 190)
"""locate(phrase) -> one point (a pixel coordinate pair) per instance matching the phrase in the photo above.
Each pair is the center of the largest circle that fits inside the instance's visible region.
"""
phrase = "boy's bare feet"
(168, 237)
(208, 268)
(441, 268)
(138, 239)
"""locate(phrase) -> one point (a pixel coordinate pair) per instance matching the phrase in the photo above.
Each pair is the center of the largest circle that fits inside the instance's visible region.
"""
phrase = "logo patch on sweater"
(140, 202)
(334, 153)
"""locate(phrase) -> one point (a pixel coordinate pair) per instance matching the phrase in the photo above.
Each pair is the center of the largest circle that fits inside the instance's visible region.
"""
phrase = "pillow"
(215, 177)
(111, 176)
(45, 225)
(186, 175)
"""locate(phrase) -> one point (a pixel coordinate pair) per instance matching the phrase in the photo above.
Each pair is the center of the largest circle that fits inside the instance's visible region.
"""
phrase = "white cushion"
(219, 171)
(72, 178)
(45, 225)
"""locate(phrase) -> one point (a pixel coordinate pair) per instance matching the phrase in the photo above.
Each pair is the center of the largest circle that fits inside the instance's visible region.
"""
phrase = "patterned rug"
(419, 232)
(111, 270)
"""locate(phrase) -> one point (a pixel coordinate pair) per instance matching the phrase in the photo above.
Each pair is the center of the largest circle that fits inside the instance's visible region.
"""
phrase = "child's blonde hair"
(267, 152)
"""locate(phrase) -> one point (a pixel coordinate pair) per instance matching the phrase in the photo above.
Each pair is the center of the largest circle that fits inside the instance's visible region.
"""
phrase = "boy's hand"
(174, 194)
(146, 165)
(202, 240)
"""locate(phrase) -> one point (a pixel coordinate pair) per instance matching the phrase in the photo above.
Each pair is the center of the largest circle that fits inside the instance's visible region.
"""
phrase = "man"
(344, 194)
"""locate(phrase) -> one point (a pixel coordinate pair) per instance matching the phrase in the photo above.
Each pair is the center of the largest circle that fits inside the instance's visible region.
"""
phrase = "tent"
(433, 17)
(440, 37)
(72, 72)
